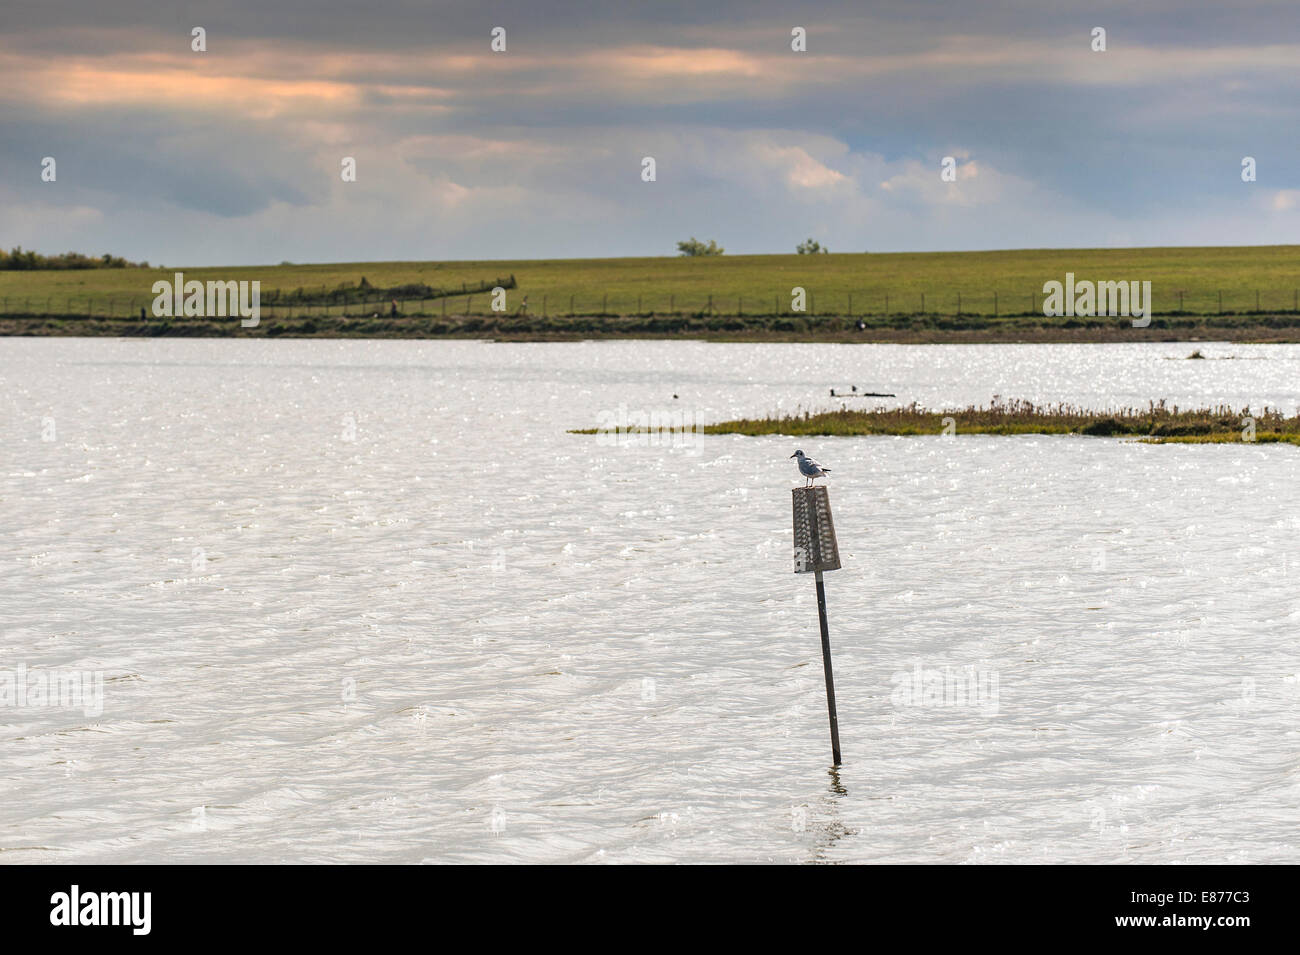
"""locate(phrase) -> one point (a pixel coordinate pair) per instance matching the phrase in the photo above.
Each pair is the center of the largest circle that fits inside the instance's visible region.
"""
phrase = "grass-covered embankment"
(1237, 294)
(924, 329)
(1156, 423)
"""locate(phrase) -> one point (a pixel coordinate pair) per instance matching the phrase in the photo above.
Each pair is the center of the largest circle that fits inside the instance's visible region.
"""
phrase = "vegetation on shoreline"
(374, 321)
(1157, 423)
(304, 299)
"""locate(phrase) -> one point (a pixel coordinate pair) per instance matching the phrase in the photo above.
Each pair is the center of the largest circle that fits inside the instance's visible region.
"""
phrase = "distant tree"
(17, 259)
(811, 247)
(694, 246)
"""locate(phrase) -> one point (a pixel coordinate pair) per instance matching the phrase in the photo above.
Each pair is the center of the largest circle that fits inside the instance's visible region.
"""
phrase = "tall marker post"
(815, 551)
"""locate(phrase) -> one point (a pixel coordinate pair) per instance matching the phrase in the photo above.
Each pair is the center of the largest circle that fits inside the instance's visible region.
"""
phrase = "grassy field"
(1156, 423)
(1192, 281)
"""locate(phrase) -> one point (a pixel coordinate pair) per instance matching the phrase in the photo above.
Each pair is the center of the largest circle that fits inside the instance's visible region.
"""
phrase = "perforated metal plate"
(814, 531)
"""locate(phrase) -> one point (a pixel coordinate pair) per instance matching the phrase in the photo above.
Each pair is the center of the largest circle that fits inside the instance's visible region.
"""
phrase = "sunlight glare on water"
(369, 601)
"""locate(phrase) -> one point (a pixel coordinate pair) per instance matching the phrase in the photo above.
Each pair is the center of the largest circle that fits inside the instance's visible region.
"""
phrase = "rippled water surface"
(369, 601)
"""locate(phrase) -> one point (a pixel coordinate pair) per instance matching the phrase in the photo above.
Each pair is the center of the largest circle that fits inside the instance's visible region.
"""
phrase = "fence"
(866, 304)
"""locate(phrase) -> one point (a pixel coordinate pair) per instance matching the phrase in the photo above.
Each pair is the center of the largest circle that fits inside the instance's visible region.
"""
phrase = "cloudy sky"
(232, 156)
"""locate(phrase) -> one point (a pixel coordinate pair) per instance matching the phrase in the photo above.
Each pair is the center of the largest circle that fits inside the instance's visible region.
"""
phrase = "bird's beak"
(792, 455)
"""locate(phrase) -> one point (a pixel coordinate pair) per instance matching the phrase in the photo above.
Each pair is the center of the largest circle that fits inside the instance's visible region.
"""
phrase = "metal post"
(826, 665)
(816, 550)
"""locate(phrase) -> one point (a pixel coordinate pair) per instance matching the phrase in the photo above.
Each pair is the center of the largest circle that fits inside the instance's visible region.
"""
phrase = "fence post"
(850, 305)
(922, 303)
(543, 306)
(1220, 301)
(995, 304)
(959, 303)
(571, 306)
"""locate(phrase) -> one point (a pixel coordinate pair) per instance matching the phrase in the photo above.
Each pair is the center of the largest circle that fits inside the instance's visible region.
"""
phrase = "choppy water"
(368, 601)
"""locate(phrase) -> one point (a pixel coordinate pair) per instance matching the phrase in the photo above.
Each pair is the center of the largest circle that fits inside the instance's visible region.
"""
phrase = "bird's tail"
(826, 469)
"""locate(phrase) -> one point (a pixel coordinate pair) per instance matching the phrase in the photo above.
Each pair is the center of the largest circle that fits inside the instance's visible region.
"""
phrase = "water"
(368, 601)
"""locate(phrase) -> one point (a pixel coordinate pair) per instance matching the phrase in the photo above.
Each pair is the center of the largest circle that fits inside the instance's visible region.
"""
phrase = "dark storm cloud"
(537, 151)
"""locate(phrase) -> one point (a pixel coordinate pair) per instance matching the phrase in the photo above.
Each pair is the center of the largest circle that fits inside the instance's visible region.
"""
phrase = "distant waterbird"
(862, 394)
(809, 468)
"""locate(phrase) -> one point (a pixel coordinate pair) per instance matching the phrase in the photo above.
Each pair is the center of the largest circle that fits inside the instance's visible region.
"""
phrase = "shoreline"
(928, 329)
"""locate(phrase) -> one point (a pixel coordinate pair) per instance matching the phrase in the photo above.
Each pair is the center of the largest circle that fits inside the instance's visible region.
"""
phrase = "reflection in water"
(833, 829)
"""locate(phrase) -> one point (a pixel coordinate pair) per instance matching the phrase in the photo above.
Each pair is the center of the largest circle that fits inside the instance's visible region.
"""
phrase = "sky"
(233, 155)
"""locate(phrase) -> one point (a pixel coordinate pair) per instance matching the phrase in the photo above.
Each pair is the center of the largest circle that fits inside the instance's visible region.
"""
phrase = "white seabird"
(809, 468)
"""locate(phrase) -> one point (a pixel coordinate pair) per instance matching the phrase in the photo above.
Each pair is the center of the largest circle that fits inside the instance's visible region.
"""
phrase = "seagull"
(809, 468)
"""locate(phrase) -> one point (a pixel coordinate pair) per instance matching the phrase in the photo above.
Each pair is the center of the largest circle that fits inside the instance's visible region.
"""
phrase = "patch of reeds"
(1158, 422)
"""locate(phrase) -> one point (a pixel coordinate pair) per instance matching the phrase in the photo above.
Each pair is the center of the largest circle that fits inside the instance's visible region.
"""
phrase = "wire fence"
(587, 303)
